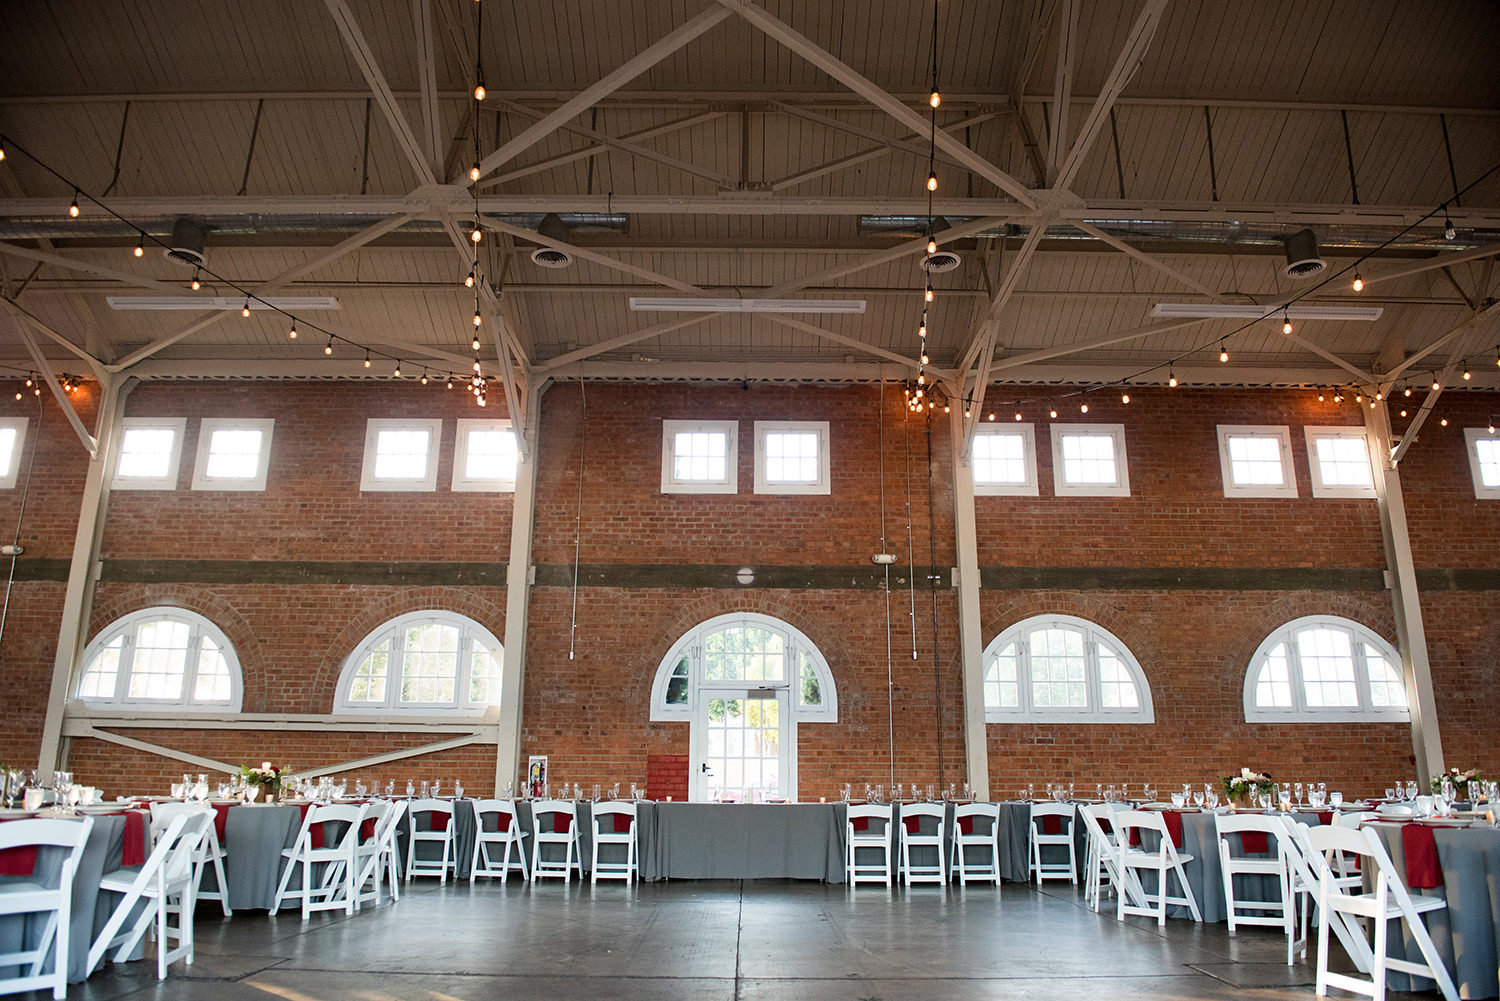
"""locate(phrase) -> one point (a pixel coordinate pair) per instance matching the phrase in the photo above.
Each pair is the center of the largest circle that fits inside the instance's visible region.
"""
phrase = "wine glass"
(1411, 789)
(1149, 794)
(458, 789)
(1177, 800)
(252, 790)
(1297, 790)
(1198, 798)
(411, 789)
(1211, 797)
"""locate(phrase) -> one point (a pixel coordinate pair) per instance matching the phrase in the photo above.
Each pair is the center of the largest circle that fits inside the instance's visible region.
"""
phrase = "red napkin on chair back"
(913, 824)
(1325, 817)
(1052, 824)
(221, 818)
(860, 823)
(502, 822)
(1422, 871)
(137, 826)
(18, 861)
(1253, 842)
(1174, 827)
(316, 834)
(436, 821)
(560, 822)
(966, 825)
(622, 823)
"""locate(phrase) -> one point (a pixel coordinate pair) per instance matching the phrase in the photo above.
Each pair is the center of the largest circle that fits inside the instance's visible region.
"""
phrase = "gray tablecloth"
(743, 841)
(101, 854)
(1467, 931)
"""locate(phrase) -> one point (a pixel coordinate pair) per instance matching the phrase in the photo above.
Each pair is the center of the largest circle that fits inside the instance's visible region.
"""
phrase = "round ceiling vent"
(547, 257)
(186, 245)
(1302, 260)
(943, 260)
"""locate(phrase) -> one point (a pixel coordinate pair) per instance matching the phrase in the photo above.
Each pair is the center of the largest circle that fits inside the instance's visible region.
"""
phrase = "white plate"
(15, 813)
(1444, 822)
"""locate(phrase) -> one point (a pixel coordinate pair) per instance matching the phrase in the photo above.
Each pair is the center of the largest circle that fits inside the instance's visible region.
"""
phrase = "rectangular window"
(1339, 459)
(150, 450)
(232, 454)
(1003, 461)
(12, 443)
(791, 457)
(485, 457)
(1088, 460)
(1256, 460)
(401, 454)
(1484, 462)
(699, 457)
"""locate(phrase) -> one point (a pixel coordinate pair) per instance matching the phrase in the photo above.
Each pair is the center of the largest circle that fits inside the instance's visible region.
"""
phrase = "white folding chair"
(1347, 867)
(497, 828)
(1388, 901)
(439, 831)
(168, 872)
(375, 856)
(1165, 862)
(548, 816)
(1266, 912)
(919, 815)
(1099, 864)
(607, 832)
(31, 898)
(210, 852)
(981, 840)
(1040, 870)
(333, 865)
(1308, 865)
(868, 830)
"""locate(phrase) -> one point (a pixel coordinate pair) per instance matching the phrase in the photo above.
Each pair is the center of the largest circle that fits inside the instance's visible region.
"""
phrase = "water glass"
(1411, 789)
(179, 791)
(1178, 799)
(596, 791)
(411, 789)
(614, 791)
(1336, 799)
(437, 785)
(635, 792)
(390, 787)
(458, 789)
(845, 792)
(1390, 793)
(1211, 798)
(968, 793)
(1149, 794)
(930, 791)
(1297, 790)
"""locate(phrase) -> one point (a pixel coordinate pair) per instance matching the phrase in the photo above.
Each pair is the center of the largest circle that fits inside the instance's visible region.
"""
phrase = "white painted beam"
(987, 324)
(970, 626)
(562, 361)
(853, 342)
(562, 159)
(613, 263)
(518, 580)
(90, 444)
(1144, 258)
(364, 58)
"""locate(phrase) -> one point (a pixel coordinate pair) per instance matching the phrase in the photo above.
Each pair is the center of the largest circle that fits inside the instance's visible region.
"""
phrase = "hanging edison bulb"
(932, 181)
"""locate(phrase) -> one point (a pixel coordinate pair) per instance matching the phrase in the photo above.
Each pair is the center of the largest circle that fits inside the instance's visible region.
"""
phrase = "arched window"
(1321, 667)
(161, 658)
(1063, 669)
(744, 681)
(423, 663)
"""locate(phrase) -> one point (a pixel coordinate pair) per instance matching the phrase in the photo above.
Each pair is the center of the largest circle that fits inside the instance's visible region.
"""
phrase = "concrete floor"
(765, 940)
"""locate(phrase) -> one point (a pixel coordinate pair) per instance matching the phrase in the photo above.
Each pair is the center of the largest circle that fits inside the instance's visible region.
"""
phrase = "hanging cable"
(15, 553)
(911, 567)
(932, 580)
(583, 436)
(890, 673)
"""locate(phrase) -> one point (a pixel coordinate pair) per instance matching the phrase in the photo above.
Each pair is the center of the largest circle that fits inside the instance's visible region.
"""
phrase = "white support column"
(518, 580)
(970, 634)
(1411, 635)
(78, 599)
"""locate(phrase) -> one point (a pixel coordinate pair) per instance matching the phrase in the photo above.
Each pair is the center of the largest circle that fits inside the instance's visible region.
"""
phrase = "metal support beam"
(518, 577)
(207, 764)
(885, 149)
(1441, 260)
(1117, 337)
(90, 444)
(1448, 338)
(1144, 258)
(606, 85)
(613, 263)
(1411, 635)
(1062, 89)
(803, 46)
(987, 324)
(970, 627)
(1334, 359)
(124, 278)
(432, 118)
(633, 337)
(25, 315)
(78, 598)
(562, 159)
(1442, 380)
(855, 343)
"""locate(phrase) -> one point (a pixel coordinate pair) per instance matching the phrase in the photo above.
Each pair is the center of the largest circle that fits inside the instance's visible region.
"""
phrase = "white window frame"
(670, 484)
(465, 484)
(1299, 711)
(468, 628)
(1471, 437)
(373, 427)
(1028, 487)
(1319, 488)
(821, 486)
(1283, 437)
(206, 428)
(178, 427)
(1026, 712)
(11, 473)
(128, 625)
(1062, 488)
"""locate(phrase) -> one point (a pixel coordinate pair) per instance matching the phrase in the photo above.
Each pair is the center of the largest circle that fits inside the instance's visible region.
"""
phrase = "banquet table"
(1467, 931)
(102, 852)
(743, 841)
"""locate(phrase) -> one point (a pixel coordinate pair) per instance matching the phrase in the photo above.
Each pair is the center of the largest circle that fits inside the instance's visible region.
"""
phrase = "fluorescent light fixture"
(1235, 311)
(646, 304)
(287, 303)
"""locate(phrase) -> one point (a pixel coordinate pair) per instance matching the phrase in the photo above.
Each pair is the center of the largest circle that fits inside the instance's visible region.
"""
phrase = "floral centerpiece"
(267, 777)
(1459, 780)
(1237, 788)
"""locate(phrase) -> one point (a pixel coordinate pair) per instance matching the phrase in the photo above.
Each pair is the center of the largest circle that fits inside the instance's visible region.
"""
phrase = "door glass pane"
(742, 748)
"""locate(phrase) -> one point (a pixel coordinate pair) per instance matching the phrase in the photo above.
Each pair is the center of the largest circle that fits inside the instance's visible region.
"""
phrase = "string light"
(328, 348)
(1444, 422)
(1492, 425)
(1359, 283)
(932, 245)
(932, 181)
(476, 234)
(450, 382)
(929, 293)
(1223, 352)
(1467, 374)
(1171, 377)
(1124, 397)
(1403, 412)
(292, 334)
(195, 285)
(479, 91)
(397, 371)
(1405, 390)
(469, 279)
(1052, 414)
(922, 330)
(474, 171)
(73, 208)
(1018, 415)
(477, 321)
(423, 380)
(475, 343)
(1436, 385)
(1286, 322)
(245, 310)
(935, 99)
(367, 357)
(1320, 396)
(140, 246)
(1083, 408)
(1449, 233)
(2, 147)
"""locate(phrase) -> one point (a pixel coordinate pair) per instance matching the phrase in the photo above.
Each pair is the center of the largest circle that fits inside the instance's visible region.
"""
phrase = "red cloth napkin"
(1105, 825)
(367, 829)
(622, 823)
(966, 825)
(137, 824)
(860, 823)
(18, 861)
(221, 817)
(913, 824)
(1174, 829)
(1422, 871)
(1052, 824)
(502, 822)
(1253, 842)
(436, 821)
(1325, 817)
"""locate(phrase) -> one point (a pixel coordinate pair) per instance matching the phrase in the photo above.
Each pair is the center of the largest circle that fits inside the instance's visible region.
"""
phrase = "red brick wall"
(590, 714)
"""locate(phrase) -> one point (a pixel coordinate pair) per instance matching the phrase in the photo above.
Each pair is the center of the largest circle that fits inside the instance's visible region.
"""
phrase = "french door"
(740, 745)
